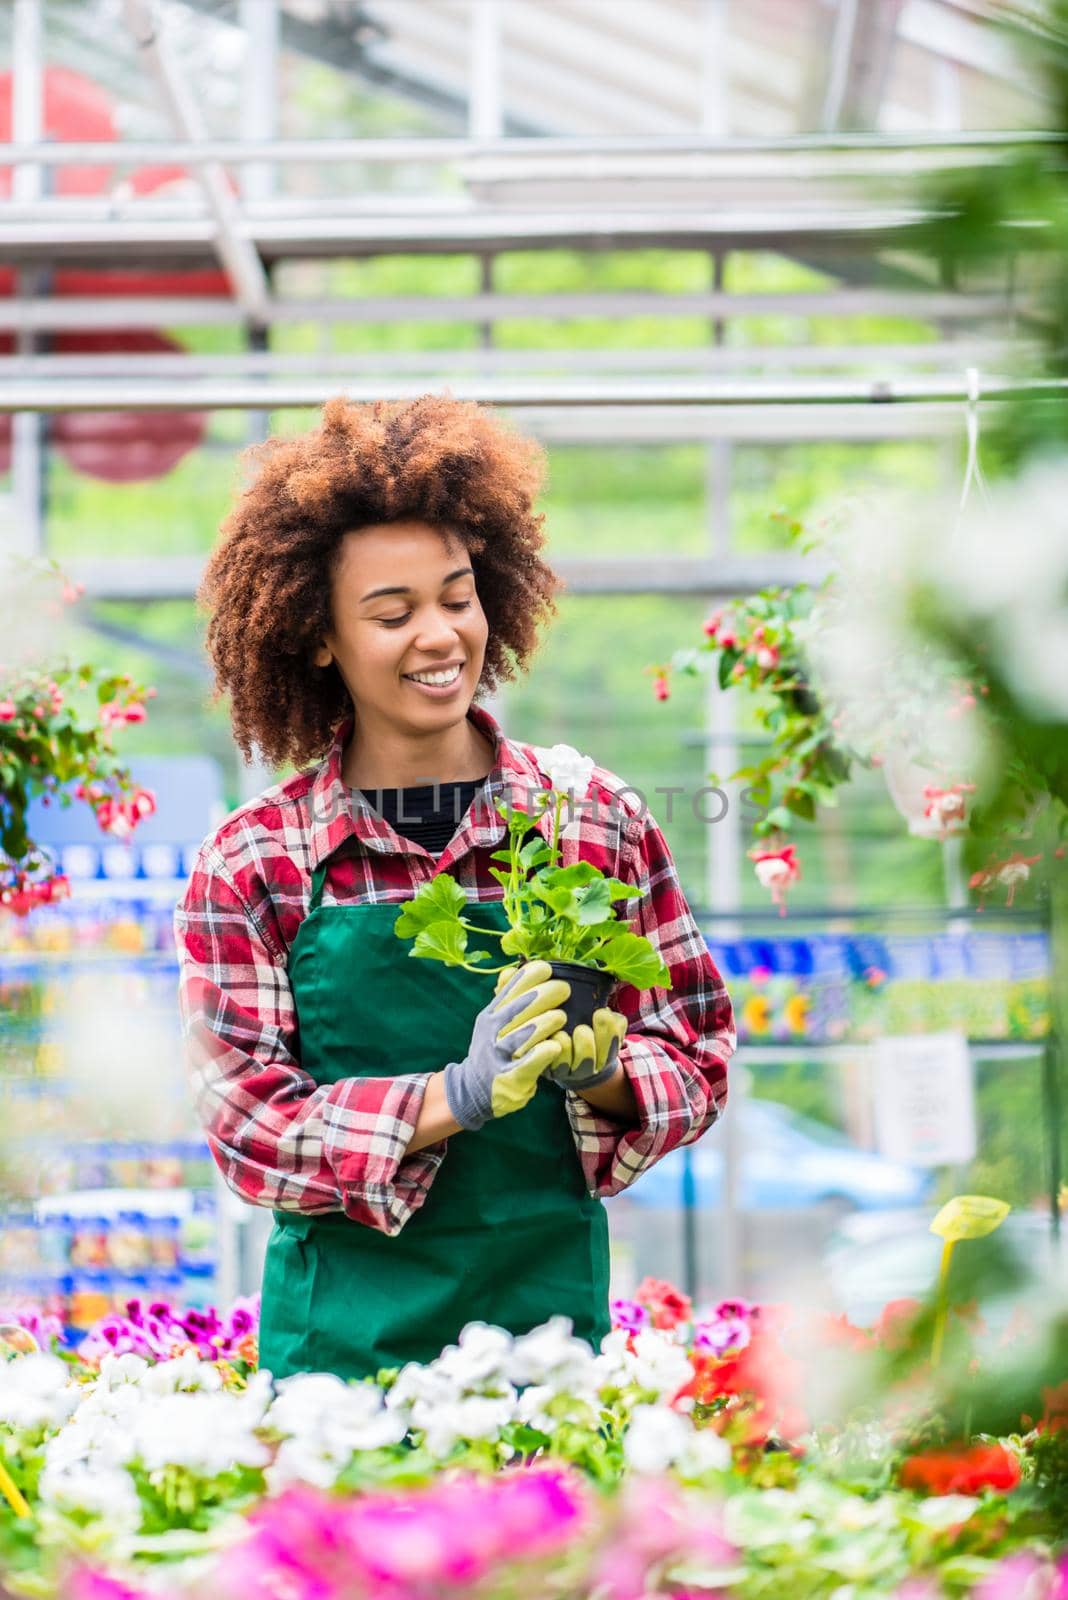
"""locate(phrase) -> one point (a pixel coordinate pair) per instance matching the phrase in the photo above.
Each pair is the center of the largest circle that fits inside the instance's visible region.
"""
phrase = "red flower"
(762, 1382)
(965, 1470)
(893, 1330)
(667, 1306)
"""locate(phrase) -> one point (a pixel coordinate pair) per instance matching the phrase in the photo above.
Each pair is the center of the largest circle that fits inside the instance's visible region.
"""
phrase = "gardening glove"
(512, 1043)
(589, 1055)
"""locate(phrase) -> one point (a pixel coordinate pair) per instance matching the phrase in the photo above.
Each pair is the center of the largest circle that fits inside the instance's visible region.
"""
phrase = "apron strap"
(318, 879)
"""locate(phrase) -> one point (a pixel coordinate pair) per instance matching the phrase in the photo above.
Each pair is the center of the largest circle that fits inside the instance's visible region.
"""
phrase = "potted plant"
(56, 728)
(562, 915)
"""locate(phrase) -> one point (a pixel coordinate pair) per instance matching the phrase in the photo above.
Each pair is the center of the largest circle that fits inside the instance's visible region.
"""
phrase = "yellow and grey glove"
(511, 1045)
(590, 1055)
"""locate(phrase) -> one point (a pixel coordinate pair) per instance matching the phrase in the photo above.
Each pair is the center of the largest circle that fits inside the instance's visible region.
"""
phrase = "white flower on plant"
(566, 770)
(100, 1433)
(97, 1491)
(551, 1354)
(941, 1511)
(118, 1370)
(658, 1438)
(416, 1383)
(327, 1421)
(35, 1392)
(656, 1363)
(476, 1416)
(205, 1433)
(186, 1372)
(655, 1437)
(545, 1407)
(481, 1357)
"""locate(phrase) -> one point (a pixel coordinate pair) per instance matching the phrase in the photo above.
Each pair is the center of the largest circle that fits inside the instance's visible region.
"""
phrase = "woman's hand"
(589, 1055)
(512, 1044)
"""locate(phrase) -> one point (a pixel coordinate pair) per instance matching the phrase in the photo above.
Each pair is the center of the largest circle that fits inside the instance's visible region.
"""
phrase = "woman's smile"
(439, 682)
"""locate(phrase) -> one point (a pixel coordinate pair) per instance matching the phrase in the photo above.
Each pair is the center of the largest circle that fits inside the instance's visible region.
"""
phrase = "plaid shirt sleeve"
(278, 1138)
(678, 1040)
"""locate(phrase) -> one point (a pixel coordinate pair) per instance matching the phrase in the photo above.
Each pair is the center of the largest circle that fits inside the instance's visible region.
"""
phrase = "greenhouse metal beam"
(134, 311)
(236, 254)
(178, 577)
(216, 394)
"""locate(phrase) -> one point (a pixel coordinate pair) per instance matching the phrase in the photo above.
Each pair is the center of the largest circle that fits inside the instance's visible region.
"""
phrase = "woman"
(434, 1152)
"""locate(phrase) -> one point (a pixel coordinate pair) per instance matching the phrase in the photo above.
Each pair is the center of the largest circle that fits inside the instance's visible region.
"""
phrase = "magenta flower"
(721, 1335)
(1015, 1576)
(629, 1315)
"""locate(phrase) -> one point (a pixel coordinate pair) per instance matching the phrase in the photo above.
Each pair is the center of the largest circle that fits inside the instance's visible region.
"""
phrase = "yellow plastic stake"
(12, 1494)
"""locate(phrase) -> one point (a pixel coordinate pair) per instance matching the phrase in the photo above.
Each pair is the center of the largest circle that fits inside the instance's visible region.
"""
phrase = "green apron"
(507, 1233)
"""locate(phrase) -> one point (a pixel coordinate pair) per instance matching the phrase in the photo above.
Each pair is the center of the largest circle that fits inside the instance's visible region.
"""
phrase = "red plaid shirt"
(279, 1139)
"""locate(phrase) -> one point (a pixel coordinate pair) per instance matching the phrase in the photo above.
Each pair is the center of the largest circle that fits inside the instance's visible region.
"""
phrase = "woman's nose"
(437, 632)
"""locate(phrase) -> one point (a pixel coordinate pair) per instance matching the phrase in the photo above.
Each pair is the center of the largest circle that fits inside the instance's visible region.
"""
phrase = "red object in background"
(117, 446)
(75, 109)
(124, 446)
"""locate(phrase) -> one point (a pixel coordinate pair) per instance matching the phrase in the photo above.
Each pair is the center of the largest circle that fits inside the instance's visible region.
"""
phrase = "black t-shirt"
(414, 814)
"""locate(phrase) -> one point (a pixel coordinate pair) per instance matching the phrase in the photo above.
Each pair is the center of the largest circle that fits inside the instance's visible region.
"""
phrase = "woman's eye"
(395, 622)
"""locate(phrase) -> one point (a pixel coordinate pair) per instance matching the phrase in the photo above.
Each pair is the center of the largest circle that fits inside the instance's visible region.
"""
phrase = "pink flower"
(661, 689)
(712, 624)
(1013, 871)
(776, 870)
(721, 1335)
(141, 804)
(1017, 1577)
(135, 712)
(8, 710)
(629, 1315)
(667, 1305)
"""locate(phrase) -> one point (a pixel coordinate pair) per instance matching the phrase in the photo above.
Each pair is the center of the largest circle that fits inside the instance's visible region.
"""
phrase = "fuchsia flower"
(948, 807)
(1009, 874)
(776, 870)
(8, 710)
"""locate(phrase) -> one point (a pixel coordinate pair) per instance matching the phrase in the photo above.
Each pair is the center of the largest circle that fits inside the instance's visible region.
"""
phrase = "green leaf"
(594, 903)
(534, 852)
(576, 876)
(442, 941)
(436, 901)
(726, 662)
(618, 890)
(633, 960)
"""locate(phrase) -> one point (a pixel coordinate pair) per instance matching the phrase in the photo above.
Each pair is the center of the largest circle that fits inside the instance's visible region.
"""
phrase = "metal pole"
(259, 91)
(238, 256)
(27, 463)
(681, 392)
(484, 105)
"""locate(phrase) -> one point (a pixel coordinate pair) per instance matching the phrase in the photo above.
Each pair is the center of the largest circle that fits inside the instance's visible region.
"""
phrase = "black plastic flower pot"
(590, 989)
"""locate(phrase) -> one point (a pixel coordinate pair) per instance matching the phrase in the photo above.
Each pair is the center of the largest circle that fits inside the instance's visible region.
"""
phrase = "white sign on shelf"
(924, 1099)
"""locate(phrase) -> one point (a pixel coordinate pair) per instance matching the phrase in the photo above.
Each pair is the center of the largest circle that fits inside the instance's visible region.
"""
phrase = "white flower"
(415, 1382)
(551, 1354)
(117, 1370)
(480, 1357)
(327, 1422)
(206, 1433)
(657, 1362)
(107, 1492)
(186, 1372)
(35, 1392)
(945, 1510)
(655, 1438)
(475, 1417)
(565, 768)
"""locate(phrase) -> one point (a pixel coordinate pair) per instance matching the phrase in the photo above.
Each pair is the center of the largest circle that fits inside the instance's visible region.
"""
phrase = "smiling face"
(403, 603)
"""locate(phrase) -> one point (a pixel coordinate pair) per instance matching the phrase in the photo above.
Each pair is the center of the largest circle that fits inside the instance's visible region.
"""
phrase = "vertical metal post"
(485, 119)
(714, 77)
(27, 458)
(723, 852)
(259, 91)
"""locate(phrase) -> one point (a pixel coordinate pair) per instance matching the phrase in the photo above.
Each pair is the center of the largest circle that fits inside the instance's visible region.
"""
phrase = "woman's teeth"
(441, 679)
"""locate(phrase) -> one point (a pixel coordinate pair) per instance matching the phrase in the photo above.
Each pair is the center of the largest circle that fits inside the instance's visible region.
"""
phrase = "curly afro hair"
(268, 583)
